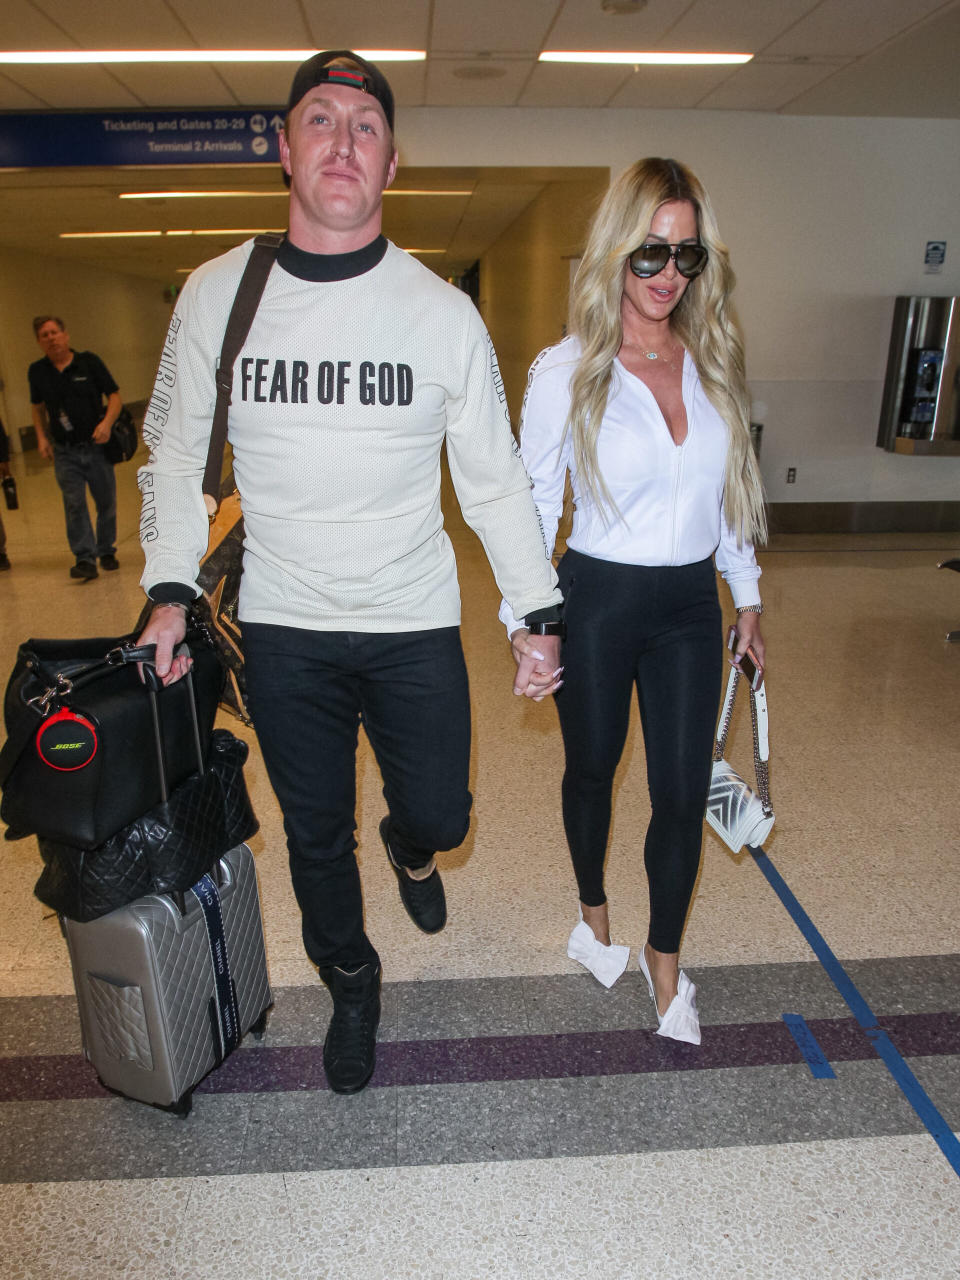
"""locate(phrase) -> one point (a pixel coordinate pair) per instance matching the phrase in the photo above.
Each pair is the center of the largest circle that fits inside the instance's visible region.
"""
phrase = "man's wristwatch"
(547, 629)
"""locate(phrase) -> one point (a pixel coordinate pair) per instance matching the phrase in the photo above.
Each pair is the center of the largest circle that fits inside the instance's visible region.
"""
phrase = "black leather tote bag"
(80, 760)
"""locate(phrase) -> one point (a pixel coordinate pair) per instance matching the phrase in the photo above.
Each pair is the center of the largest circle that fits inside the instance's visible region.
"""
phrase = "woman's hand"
(748, 636)
(538, 664)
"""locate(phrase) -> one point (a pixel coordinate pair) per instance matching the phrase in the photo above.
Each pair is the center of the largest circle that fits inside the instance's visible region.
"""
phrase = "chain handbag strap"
(759, 725)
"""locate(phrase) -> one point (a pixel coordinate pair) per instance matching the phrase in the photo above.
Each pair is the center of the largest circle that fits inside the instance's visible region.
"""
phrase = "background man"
(67, 388)
(359, 365)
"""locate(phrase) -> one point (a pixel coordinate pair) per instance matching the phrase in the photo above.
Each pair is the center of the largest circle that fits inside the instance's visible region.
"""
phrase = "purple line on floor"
(268, 1069)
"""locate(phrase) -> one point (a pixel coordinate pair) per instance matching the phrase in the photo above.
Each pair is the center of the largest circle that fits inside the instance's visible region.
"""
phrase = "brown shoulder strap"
(249, 293)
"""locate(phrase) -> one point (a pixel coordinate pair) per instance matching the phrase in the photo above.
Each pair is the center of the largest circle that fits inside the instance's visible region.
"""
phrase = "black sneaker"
(425, 901)
(109, 563)
(85, 569)
(4, 561)
(350, 1047)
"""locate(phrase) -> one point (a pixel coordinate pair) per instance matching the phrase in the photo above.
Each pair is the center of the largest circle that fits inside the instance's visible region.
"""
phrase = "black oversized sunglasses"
(650, 259)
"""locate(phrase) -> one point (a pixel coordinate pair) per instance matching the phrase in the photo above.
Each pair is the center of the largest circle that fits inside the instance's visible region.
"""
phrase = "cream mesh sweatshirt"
(343, 396)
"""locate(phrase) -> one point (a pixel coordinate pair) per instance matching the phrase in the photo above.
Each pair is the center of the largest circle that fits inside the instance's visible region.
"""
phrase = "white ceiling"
(37, 204)
(813, 57)
(833, 57)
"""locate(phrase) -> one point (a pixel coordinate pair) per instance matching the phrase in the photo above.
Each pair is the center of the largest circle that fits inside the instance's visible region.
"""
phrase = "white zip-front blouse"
(670, 497)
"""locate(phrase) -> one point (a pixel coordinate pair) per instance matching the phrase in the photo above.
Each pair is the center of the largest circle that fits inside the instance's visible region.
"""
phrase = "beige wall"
(826, 219)
(122, 318)
(524, 277)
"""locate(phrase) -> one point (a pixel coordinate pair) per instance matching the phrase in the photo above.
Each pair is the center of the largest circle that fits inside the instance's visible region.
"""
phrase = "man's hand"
(44, 447)
(101, 432)
(538, 664)
(166, 629)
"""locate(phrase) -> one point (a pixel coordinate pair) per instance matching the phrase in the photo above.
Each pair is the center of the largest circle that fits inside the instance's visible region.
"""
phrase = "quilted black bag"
(165, 851)
(79, 762)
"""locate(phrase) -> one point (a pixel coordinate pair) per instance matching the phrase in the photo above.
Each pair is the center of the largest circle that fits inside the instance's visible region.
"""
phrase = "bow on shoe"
(606, 963)
(681, 1021)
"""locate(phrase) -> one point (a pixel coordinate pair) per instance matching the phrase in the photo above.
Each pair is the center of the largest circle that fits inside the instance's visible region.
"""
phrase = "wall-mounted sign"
(51, 140)
(933, 257)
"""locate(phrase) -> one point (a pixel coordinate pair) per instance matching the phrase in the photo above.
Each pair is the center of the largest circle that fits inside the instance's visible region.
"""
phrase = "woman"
(646, 405)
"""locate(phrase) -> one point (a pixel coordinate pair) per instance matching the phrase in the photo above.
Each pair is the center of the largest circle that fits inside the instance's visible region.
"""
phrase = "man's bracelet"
(751, 608)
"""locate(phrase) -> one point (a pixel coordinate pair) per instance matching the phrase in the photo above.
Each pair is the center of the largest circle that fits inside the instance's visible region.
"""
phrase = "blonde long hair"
(704, 321)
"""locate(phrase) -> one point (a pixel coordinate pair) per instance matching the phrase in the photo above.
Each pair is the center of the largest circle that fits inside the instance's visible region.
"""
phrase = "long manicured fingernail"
(537, 654)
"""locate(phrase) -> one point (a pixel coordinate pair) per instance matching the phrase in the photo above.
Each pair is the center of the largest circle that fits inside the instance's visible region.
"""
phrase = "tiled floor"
(524, 1122)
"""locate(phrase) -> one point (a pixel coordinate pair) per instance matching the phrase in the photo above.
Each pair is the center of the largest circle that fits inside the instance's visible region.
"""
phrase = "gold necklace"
(671, 361)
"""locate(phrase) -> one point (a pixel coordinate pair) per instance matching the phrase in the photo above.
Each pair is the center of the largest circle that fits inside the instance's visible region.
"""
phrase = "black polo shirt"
(74, 394)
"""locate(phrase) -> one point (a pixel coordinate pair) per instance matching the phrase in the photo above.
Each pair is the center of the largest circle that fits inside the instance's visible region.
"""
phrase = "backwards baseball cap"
(363, 76)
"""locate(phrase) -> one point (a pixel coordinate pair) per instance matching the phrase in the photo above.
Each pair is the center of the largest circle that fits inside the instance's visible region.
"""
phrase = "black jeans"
(658, 630)
(308, 693)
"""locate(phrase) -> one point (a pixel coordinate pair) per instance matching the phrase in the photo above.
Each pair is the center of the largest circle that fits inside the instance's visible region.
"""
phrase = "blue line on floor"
(807, 1043)
(910, 1086)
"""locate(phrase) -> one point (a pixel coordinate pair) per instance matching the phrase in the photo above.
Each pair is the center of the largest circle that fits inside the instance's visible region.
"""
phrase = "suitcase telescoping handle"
(154, 684)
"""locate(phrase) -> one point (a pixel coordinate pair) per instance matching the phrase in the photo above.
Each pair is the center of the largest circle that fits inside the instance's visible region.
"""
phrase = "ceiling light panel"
(280, 194)
(642, 57)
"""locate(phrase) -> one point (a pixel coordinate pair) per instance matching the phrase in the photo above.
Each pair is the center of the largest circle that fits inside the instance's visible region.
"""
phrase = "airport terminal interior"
(524, 1122)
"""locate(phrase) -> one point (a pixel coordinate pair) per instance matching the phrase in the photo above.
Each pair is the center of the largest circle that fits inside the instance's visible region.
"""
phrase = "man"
(67, 388)
(359, 365)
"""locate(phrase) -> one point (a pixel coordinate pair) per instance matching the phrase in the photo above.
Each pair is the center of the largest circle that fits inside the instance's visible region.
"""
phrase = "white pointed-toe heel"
(606, 963)
(681, 1021)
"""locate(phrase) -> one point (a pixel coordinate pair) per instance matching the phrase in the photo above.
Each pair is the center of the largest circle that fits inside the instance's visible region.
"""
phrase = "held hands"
(166, 629)
(749, 637)
(538, 664)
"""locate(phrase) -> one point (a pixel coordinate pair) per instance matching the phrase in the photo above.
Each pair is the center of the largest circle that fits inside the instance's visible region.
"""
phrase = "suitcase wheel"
(182, 1107)
(259, 1028)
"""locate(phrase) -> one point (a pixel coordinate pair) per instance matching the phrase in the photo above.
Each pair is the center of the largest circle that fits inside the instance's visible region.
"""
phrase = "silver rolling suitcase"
(168, 985)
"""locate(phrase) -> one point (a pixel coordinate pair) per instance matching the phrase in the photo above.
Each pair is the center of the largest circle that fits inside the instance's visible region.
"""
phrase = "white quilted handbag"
(738, 814)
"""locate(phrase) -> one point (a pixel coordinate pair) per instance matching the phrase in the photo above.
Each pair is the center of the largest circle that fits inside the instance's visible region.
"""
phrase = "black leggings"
(659, 629)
